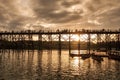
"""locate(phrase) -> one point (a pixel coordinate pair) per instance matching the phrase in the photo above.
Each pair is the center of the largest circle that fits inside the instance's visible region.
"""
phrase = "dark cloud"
(51, 11)
(10, 17)
(111, 17)
(66, 3)
(104, 13)
(16, 14)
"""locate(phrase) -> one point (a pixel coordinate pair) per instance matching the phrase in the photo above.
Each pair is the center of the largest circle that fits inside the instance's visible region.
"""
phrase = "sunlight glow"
(47, 25)
(94, 22)
(82, 37)
(35, 38)
(77, 62)
(75, 38)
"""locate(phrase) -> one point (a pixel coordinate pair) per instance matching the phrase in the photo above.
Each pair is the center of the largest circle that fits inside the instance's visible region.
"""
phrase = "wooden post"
(99, 41)
(50, 40)
(40, 41)
(109, 42)
(106, 42)
(118, 41)
(0, 40)
(89, 43)
(69, 43)
(79, 44)
(59, 41)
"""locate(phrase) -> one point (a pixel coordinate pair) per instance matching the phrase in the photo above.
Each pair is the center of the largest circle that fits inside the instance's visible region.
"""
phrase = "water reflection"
(54, 65)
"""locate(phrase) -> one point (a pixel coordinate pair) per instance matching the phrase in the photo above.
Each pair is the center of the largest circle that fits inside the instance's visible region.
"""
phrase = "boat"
(97, 57)
(114, 54)
(83, 56)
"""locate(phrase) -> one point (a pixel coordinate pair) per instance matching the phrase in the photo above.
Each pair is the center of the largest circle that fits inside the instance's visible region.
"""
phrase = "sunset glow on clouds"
(18, 14)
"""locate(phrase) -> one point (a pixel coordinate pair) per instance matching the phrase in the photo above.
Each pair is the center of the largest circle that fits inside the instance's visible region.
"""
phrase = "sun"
(75, 38)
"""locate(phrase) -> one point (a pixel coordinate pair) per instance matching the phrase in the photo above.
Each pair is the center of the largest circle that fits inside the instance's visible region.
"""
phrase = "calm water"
(53, 65)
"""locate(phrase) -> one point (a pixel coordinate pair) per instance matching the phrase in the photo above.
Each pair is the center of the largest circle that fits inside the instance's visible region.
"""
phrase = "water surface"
(54, 65)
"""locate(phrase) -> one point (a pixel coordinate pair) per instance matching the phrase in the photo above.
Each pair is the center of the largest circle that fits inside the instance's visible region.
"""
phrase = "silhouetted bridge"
(98, 37)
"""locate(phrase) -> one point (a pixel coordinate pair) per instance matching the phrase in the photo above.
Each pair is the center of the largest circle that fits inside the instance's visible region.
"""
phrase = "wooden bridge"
(108, 37)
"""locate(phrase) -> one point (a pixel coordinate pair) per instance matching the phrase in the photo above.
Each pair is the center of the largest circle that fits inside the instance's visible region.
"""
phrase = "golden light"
(93, 36)
(76, 63)
(47, 25)
(94, 22)
(75, 38)
(82, 37)
(35, 38)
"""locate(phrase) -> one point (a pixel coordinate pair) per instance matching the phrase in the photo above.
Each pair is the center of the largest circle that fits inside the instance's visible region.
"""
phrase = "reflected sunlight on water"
(53, 65)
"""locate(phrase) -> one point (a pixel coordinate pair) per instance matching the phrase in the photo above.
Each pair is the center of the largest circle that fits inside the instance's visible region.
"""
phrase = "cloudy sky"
(37, 14)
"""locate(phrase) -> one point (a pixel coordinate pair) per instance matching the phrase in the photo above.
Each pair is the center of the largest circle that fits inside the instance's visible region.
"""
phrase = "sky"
(59, 14)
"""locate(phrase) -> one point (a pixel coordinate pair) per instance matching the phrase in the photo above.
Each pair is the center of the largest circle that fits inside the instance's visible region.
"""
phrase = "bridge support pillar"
(88, 44)
(50, 40)
(69, 43)
(79, 44)
(40, 41)
(59, 42)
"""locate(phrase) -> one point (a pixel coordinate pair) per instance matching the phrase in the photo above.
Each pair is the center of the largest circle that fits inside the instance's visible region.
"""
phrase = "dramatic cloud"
(36, 14)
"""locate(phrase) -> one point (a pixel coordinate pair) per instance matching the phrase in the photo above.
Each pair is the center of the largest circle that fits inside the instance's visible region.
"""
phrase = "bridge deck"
(60, 32)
